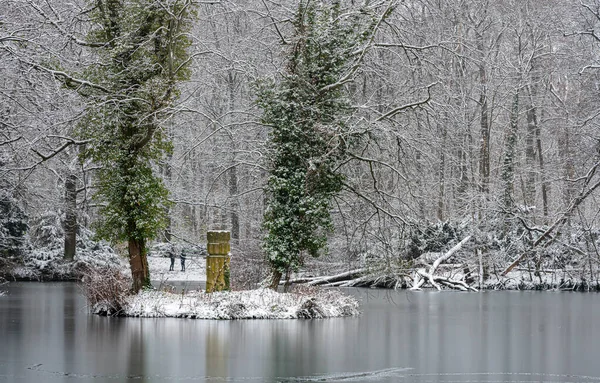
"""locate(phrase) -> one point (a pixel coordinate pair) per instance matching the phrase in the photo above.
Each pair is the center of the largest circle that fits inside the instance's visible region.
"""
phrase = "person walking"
(171, 253)
(183, 257)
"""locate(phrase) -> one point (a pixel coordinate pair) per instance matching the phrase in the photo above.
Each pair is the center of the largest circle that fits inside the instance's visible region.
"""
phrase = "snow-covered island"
(106, 273)
(249, 304)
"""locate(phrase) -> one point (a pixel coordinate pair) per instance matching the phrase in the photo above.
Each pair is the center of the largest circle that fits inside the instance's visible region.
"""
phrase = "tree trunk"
(538, 139)
(70, 224)
(233, 191)
(529, 192)
(508, 166)
(275, 279)
(441, 176)
(484, 149)
(233, 179)
(138, 262)
(569, 170)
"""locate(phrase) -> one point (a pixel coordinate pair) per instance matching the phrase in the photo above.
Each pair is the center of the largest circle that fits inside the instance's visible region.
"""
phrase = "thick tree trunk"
(138, 262)
(70, 224)
(484, 148)
(275, 279)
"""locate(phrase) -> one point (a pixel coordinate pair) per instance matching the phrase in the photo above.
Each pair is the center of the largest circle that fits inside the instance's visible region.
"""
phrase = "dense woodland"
(460, 119)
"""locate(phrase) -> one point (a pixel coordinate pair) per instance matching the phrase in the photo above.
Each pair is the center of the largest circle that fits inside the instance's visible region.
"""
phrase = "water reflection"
(47, 336)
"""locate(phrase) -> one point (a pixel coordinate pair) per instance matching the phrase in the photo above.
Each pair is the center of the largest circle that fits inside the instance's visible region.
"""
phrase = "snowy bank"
(249, 304)
(43, 258)
(567, 278)
(562, 279)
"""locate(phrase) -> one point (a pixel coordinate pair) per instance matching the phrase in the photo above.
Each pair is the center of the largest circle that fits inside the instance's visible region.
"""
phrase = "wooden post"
(217, 261)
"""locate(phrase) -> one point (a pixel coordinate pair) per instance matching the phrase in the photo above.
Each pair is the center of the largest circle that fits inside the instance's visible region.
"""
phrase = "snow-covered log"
(448, 254)
(338, 277)
(422, 276)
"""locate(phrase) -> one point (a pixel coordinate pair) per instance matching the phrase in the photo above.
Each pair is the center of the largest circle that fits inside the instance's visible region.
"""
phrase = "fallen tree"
(422, 276)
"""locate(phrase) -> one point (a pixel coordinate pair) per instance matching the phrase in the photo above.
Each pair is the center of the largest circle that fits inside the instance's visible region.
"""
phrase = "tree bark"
(441, 176)
(235, 219)
(70, 223)
(484, 149)
(275, 279)
(139, 264)
(508, 166)
(529, 192)
(542, 170)
(233, 178)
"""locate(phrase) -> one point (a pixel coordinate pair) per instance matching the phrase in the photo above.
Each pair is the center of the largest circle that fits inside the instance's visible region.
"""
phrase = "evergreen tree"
(306, 111)
(13, 226)
(141, 45)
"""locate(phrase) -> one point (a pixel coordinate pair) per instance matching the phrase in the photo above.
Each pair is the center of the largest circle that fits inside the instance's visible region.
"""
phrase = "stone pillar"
(217, 261)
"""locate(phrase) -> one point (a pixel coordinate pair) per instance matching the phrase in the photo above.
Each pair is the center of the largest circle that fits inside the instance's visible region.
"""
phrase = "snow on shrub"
(248, 304)
(45, 260)
(12, 226)
(106, 289)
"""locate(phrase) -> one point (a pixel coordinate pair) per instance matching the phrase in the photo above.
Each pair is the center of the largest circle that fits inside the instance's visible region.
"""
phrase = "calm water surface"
(46, 335)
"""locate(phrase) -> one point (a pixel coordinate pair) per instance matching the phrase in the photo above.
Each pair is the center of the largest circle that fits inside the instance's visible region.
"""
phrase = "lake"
(47, 335)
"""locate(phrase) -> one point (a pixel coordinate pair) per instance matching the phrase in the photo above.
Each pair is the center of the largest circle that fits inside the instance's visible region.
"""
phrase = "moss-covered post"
(217, 261)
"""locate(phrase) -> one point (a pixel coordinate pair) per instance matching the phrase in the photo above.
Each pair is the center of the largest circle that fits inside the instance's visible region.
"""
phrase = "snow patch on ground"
(522, 279)
(48, 264)
(44, 259)
(195, 269)
(249, 304)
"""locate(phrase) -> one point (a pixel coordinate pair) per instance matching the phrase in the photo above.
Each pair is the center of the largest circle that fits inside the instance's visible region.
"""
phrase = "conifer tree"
(306, 111)
(141, 47)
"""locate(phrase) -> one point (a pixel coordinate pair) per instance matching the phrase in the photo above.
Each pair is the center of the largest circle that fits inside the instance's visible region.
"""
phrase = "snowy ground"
(180, 294)
(522, 279)
(195, 269)
(251, 304)
(48, 264)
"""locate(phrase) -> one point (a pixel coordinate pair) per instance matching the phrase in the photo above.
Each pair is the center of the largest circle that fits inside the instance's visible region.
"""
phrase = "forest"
(450, 144)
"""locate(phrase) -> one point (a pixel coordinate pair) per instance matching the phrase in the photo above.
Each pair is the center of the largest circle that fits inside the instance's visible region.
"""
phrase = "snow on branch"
(413, 105)
(583, 194)
(349, 76)
(421, 275)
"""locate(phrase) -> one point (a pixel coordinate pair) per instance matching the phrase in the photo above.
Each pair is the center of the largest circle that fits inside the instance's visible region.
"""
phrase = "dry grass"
(106, 289)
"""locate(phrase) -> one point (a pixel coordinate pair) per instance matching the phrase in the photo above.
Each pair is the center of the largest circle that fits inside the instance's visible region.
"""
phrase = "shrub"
(106, 290)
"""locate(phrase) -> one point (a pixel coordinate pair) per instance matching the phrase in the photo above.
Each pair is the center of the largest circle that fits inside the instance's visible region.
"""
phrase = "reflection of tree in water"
(217, 351)
(136, 366)
(292, 348)
(117, 347)
(69, 326)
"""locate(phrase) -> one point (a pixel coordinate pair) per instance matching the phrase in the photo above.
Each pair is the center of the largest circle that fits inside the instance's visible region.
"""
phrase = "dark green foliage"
(13, 226)
(307, 111)
(141, 45)
(435, 237)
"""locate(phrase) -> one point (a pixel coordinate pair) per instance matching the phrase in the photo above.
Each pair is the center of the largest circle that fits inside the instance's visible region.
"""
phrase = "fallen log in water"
(422, 276)
(338, 277)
